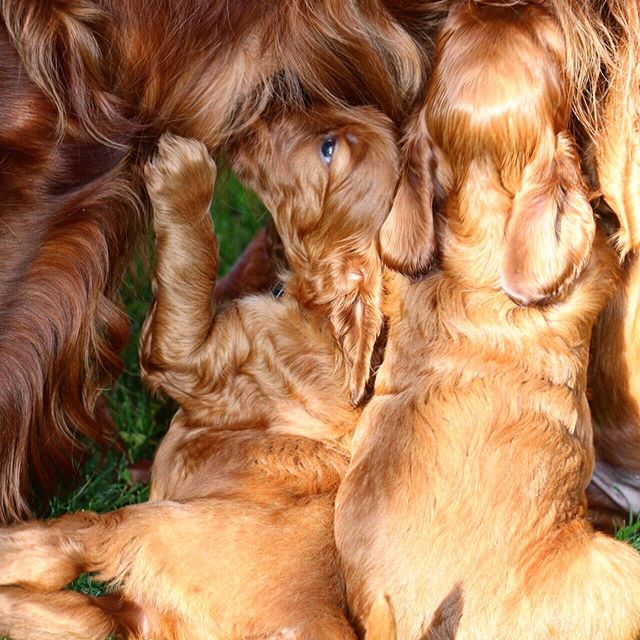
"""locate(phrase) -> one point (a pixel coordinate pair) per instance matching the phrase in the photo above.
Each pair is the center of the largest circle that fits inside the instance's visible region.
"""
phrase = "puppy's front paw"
(180, 178)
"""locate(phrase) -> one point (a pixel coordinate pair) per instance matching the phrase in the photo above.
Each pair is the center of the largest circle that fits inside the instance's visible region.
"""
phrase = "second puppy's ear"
(550, 231)
(356, 313)
(407, 238)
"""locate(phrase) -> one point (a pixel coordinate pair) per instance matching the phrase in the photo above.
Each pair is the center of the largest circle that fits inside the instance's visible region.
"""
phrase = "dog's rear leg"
(37, 559)
(47, 556)
(588, 588)
(62, 615)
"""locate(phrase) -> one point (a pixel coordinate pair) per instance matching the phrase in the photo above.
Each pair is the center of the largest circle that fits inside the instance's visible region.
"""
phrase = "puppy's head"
(328, 177)
(492, 140)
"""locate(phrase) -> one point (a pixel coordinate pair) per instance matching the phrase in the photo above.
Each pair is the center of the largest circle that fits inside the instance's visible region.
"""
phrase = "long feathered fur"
(87, 86)
(265, 388)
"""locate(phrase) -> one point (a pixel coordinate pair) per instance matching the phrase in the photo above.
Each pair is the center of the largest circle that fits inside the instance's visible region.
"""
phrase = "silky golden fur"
(237, 541)
(465, 497)
(88, 86)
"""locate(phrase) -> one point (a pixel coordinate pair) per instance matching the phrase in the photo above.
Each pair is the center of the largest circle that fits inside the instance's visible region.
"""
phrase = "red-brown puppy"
(238, 539)
(465, 498)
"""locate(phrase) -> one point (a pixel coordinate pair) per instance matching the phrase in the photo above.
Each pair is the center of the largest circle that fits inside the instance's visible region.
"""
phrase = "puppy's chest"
(299, 371)
(280, 388)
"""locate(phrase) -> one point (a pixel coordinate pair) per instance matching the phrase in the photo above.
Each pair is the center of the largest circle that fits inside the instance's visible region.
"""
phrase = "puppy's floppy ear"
(407, 237)
(356, 314)
(551, 228)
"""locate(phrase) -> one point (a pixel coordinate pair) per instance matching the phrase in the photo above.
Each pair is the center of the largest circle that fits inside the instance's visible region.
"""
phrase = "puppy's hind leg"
(62, 615)
(586, 588)
(38, 559)
(46, 556)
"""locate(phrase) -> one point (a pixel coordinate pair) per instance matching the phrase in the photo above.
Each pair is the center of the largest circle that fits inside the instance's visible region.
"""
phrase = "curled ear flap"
(407, 237)
(551, 228)
(356, 316)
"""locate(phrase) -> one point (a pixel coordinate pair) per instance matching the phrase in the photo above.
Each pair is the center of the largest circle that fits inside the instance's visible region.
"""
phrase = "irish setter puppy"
(465, 498)
(87, 87)
(238, 539)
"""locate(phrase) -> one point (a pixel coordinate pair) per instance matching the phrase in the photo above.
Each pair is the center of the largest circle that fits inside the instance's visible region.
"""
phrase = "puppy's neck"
(478, 288)
(471, 229)
(310, 295)
(442, 320)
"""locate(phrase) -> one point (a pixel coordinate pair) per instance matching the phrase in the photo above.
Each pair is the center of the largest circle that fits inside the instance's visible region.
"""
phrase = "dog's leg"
(47, 556)
(180, 183)
(63, 615)
(38, 559)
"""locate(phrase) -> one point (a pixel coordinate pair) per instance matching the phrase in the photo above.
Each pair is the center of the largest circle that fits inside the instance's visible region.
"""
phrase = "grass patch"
(630, 533)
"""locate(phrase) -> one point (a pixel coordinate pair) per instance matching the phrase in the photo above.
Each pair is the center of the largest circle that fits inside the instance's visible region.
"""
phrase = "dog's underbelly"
(198, 462)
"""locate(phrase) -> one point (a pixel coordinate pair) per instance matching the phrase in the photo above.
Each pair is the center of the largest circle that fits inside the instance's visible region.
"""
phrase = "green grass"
(631, 533)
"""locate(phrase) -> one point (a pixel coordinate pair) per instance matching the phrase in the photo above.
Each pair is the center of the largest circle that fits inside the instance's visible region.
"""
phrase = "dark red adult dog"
(87, 85)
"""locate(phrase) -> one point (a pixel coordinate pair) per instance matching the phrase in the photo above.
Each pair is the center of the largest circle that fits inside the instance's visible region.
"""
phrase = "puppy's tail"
(381, 624)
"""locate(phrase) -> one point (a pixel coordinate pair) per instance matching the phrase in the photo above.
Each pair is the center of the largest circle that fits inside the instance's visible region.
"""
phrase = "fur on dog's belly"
(200, 462)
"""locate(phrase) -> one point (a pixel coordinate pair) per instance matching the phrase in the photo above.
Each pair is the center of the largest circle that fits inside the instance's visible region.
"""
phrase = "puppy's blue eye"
(327, 149)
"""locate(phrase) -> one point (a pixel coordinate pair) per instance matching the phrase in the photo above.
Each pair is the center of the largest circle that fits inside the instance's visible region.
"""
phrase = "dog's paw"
(32, 556)
(180, 178)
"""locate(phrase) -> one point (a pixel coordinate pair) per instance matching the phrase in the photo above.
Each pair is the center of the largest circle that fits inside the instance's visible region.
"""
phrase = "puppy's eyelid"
(352, 138)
